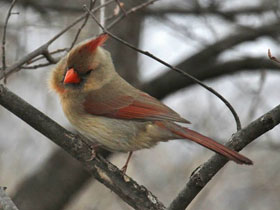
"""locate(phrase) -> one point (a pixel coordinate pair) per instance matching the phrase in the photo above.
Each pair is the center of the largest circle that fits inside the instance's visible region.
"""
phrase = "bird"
(113, 114)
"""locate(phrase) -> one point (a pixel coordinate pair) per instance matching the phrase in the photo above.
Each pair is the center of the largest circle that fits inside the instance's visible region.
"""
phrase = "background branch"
(43, 49)
(209, 55)
(169, 82)
(4, 39)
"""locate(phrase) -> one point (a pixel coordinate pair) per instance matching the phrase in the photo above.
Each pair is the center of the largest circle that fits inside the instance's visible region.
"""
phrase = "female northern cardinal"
(108, 110)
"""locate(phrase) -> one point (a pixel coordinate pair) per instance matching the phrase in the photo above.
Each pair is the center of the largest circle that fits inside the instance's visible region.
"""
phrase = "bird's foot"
(123, 169)
(93, 152)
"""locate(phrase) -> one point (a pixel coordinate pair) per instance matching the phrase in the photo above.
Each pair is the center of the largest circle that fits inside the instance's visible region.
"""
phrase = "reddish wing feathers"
(141, 110)
(142, 107)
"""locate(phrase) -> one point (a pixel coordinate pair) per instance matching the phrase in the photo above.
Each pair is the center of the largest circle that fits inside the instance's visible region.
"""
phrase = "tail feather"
(212, 145)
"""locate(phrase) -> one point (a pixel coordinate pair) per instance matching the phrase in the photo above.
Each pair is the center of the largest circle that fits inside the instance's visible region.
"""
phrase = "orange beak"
(71, 77)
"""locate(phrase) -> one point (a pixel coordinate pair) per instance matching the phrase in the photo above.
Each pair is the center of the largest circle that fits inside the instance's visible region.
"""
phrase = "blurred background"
(223, 43)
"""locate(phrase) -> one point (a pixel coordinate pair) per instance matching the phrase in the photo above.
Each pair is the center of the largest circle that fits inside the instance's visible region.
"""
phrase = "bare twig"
(49, 57)
(40, 50)
(91, 5)
(207, 171)
(210, 69)
(135, 195)
(166, 84)
(4, 39)
(256, 98)
(37, 66)
(132, 10)
(238, 123)
(52, 53)
(5, 201)
(272, 57)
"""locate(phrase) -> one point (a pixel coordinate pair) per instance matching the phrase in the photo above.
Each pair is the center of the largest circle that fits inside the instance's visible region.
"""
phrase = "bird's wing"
(111, 102)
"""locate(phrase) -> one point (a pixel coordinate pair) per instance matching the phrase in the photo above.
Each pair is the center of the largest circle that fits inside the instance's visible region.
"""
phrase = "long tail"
(208, 143)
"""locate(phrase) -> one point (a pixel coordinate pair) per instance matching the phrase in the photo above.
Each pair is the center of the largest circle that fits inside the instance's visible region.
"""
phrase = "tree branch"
(230, 13)
(170, 82)
(207, 171)
(199, 62)
(135, 195)
(4, 39)
(5, 201)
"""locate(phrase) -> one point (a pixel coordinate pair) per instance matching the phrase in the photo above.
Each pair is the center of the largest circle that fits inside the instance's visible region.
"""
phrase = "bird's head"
(86, 67)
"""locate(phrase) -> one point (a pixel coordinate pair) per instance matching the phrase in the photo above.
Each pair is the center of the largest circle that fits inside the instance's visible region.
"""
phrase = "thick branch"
(207, 171)
(207, 57)
(5, 201)
(229, 13)
(135, 195)
(170, 82)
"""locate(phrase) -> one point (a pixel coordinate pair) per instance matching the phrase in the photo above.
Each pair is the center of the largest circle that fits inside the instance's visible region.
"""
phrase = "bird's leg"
(126, 163)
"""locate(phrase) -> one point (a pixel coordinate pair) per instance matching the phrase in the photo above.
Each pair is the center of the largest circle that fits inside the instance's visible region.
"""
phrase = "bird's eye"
(88, 71)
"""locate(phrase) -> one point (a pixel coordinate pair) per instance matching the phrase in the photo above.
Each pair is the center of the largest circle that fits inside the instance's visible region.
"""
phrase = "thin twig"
(49, 57)
(37, 66)
(4, 39)
(52, 53)
(6, 202)
(132, 10)
(256, 96)
(40, 50)
(238, 123)
(91, 5)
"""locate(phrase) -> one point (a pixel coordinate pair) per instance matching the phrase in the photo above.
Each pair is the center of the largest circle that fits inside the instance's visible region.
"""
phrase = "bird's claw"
(124, 168)
(93, 155)
(93, 152)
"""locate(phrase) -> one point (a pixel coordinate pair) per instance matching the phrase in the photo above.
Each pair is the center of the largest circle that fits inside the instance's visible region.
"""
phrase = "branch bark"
(135, 195)
(207, 171)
